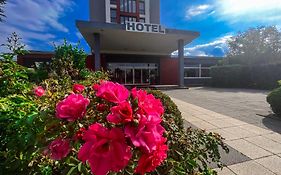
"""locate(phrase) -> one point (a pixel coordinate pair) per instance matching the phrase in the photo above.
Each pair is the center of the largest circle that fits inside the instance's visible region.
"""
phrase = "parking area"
(247, 105)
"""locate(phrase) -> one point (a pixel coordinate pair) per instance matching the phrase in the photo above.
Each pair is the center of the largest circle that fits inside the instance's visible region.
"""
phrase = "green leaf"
(79, 166)
(71, 170)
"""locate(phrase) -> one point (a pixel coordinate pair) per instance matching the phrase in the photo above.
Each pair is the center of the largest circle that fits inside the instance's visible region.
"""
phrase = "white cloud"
(218, 47)
(34, 20)
(198, 10)
(262, 11)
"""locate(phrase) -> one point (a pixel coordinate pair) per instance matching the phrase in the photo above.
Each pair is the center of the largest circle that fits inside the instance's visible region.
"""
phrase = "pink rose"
(105, 150)
(39, 91)
(149, 162)
(147, 103)
(96, 87)
(72, 108)
(122, 113)
(112, 92)
(147, 134)
(59, 149)
(78, 88)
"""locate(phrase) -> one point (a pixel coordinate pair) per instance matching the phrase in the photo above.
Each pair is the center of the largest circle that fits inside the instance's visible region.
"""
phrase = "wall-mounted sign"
(143, 27)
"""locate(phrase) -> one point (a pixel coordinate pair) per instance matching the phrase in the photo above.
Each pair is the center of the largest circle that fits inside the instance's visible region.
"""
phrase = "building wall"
(155, 11)
(97, 10)
(169, 71)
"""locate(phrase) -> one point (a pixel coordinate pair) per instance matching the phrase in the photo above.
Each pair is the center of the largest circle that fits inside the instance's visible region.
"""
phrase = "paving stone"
(266, 144)
(225, 123)
(226, 135)
(233, 157)
(274, 136)
(272, 163)
(239, 132)
(224, 171)
(248, 149)
(203, 125)
(250, 168)
(255, 129)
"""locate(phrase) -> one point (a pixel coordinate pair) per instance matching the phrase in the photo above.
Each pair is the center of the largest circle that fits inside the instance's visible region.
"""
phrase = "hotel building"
(126, 38)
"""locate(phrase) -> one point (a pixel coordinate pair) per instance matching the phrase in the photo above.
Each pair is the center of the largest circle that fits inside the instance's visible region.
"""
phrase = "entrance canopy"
(115, 39)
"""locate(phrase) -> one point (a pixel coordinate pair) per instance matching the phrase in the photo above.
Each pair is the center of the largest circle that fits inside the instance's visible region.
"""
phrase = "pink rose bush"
(110, 128)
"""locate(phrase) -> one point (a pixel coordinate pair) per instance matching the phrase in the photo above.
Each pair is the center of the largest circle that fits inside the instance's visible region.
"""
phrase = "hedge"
(274, 99)
(239, 76)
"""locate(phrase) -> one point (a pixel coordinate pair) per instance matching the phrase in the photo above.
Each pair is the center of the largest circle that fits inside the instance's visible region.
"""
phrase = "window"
(123, 19)
(113, 15)
(142, 20)
(142, 7)
(197, 71)
(113, 2)
(129, 6)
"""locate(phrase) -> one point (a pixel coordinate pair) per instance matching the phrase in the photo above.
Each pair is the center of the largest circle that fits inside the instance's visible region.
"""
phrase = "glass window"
(113, 2)
(113, 15)
(129, 6)
(134, 6)
(191, 73)
(122, 8)
(142, 7)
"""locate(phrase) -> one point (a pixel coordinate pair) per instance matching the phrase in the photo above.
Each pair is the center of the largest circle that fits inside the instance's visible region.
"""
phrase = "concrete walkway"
(258, 149)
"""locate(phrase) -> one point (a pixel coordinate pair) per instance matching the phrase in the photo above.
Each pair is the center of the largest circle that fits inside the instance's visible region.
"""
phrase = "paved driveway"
(247, 105)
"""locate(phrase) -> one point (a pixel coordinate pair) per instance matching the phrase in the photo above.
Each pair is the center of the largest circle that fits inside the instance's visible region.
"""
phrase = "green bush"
(189, 150)
(239, 76)
(274, 99)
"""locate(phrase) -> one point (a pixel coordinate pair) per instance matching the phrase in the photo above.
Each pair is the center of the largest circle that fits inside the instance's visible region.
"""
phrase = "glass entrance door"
(134, 73)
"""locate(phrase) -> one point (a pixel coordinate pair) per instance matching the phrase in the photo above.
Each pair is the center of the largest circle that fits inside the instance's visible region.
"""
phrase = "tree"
(2, 2)
(256, 46)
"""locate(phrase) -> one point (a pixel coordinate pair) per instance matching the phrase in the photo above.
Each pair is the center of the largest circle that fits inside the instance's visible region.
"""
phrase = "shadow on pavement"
(273, 122)
(227, 159)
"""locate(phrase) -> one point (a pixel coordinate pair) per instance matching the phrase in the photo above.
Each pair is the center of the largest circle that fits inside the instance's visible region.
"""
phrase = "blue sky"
(43, 22)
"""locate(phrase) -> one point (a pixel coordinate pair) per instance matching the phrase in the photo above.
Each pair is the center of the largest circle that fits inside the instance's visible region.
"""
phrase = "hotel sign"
(144, 27)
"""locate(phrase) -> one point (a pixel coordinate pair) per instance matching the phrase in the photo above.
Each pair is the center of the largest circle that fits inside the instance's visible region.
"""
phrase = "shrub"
(17, 112)
(238, 76)
(69, 61)
(274, 99)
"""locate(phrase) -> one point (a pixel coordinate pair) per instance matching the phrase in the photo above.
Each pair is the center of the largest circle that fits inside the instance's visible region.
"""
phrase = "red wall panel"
(169, 71)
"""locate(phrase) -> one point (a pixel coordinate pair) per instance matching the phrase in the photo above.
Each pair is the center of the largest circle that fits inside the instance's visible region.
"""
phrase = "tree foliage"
(2, 2)
(255, 46)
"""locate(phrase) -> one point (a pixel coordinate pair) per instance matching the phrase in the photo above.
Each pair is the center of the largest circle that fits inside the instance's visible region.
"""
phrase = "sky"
(43, 23)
